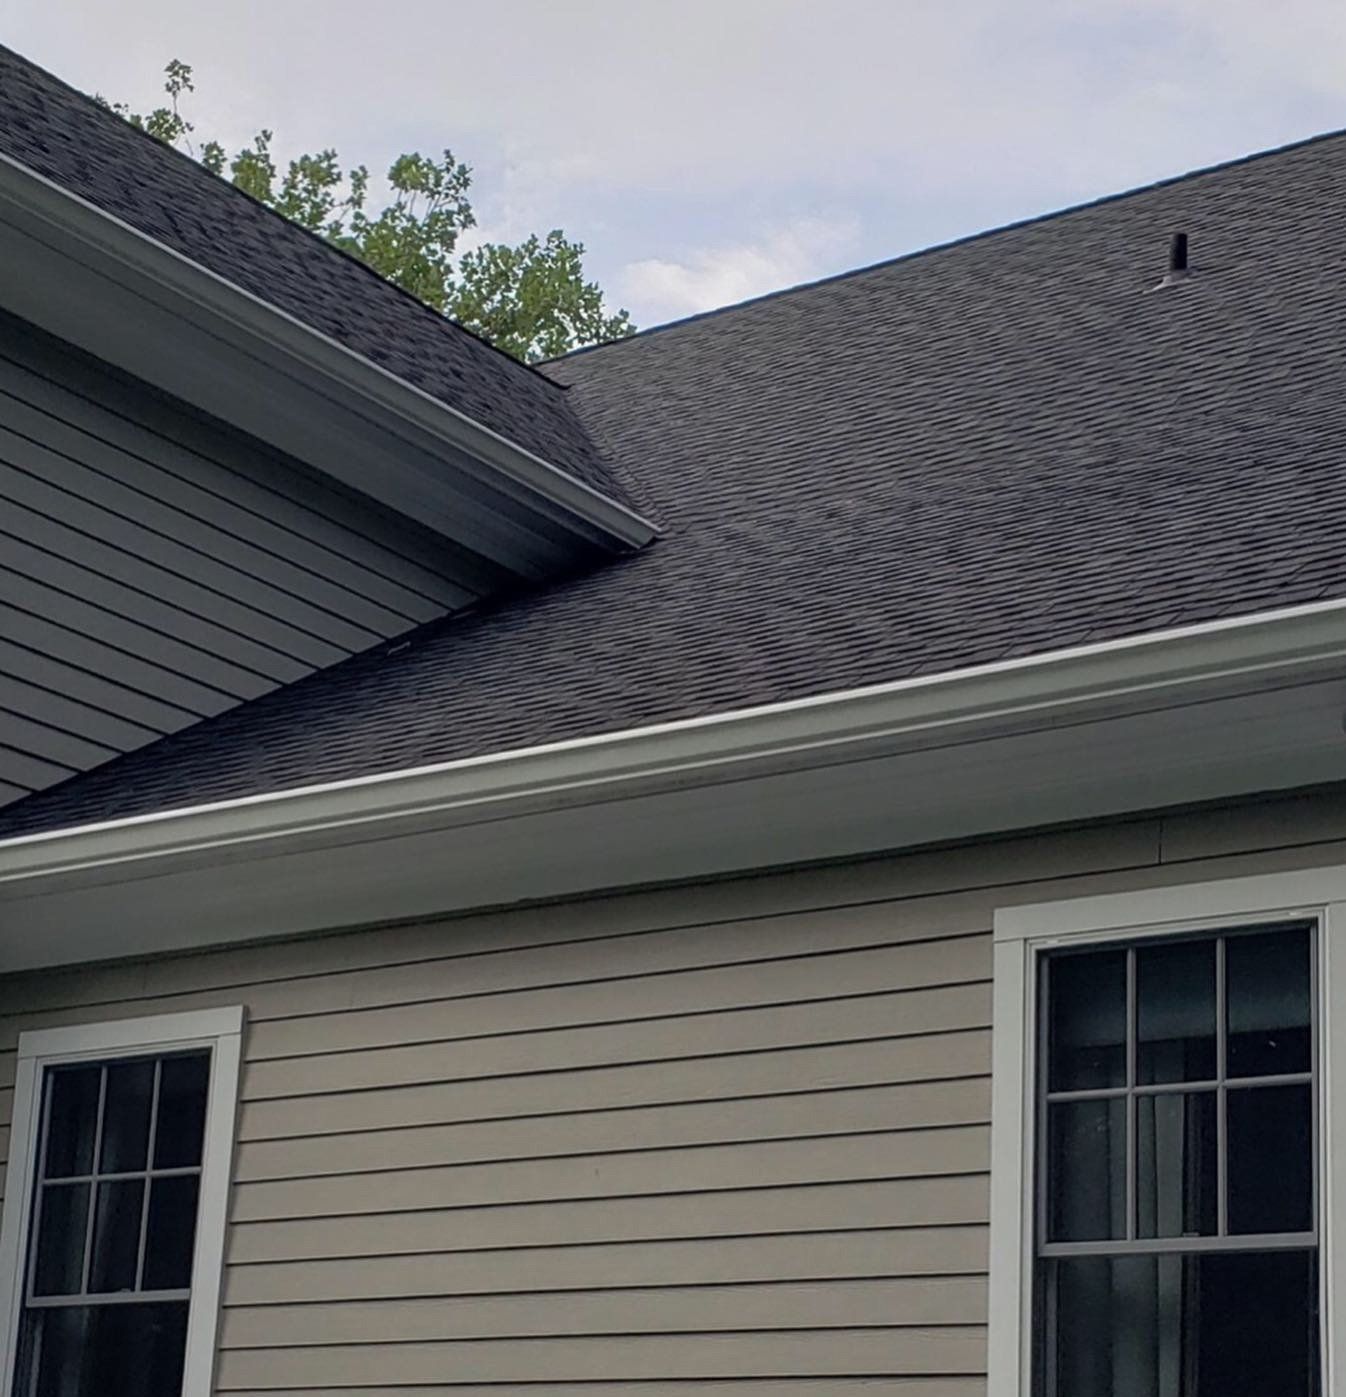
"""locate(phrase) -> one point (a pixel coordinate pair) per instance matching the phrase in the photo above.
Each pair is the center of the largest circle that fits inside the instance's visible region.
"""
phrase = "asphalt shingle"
(68, 138)
(1001, 447)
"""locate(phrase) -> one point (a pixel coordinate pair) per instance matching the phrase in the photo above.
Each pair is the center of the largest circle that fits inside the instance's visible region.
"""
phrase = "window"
(1176, 1220)
(114, 1214)
(1168, 1121)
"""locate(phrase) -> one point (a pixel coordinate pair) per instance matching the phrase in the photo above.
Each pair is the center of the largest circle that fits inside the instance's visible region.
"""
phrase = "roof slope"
(995, 448)
(69, 139)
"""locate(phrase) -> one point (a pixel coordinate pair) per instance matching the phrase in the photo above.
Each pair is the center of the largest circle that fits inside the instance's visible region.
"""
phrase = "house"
(799, 853)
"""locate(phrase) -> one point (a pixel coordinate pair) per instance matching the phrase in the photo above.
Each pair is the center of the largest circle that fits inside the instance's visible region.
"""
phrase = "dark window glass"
(62, 1220)
(1177, 1166)
(116, 1235)
(72, 1119)
(126, 1116)
(111, 1229)
(182, 1111)
(171, 1234)
(1271, 1159)
(1086, 1170)
(1175, 1012)
(1208, 1286)
(1214, 1325)
(1087, 1033)
(1268, 995)
(103, 1351)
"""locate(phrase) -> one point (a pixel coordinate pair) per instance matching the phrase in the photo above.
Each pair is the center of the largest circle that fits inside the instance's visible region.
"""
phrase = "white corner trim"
(1332, 1144)
(349, 372)
(1022, 935)
(220, 1030)
(1013, 1025)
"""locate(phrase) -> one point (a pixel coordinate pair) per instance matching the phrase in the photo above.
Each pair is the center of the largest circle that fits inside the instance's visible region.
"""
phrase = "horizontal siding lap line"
(598, 1334)
(627, 1064)
(475, 1205)
(790, 1354)
(448, 957)
(80, 684)
(223, 516)
(669, 1333)
(51, 742)
(355, 1050)
(862, 1113)
(602, 1288)
(355, 1053)
(67, 645)
(256, 479)
(707, 1055)
(342, 1170)
(948, 1211)
(181, 546)
(22, 768)
(614, 983)
(937, 1222)
(779, 898)
(991, 886)
(807, 925)
(703, 1169)
(61, 710)
(26, 773)
(289, 1129)
(873, 1385)
(772, 1028)
(880, 1380)
(801, 1098)
(108, 626)
(137, 588)
(270, 1022)
(810, 1235)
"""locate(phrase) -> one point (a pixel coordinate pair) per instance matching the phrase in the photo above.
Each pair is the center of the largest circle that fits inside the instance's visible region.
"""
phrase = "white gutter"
(352, 377)
(1164, 669)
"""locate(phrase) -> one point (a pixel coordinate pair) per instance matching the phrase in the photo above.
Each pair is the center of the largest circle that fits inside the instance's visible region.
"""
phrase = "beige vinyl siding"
(722, 1139)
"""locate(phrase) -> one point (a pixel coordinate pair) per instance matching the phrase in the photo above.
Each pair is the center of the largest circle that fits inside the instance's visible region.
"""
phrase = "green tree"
(531, 300)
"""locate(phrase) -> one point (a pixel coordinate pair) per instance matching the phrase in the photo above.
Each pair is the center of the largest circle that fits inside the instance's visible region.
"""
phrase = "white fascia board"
(227, 311)
(1134, 675)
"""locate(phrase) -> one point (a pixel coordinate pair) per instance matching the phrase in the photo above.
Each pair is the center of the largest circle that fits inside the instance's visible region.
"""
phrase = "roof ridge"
(950, 243)
(106, 111)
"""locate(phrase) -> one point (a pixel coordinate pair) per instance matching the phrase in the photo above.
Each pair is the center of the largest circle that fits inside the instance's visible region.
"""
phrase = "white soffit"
(1253, 704)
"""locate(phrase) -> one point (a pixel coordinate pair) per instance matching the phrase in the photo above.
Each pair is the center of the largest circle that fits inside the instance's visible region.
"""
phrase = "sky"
(706, 151)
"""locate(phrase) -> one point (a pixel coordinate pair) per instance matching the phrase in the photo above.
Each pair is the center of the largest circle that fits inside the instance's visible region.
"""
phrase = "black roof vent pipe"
(1177, 271)
(1177, 255)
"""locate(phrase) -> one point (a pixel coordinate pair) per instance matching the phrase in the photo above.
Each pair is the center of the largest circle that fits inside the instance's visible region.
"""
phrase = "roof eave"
(1195, 713)
(103, 285)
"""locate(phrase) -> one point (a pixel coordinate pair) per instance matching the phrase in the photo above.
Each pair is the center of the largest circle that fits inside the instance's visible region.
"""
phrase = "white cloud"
(713, 94)
(642, 125)
(802, 250)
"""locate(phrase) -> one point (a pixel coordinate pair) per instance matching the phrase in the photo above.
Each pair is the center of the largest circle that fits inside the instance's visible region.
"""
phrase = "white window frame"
(220, 1030)
(1022, 935)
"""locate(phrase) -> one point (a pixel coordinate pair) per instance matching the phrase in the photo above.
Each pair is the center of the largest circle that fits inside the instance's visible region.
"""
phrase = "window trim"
(1021, 936)
(220, 1030)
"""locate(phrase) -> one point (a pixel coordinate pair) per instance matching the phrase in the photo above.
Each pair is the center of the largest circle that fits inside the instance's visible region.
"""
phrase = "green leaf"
(532, 300)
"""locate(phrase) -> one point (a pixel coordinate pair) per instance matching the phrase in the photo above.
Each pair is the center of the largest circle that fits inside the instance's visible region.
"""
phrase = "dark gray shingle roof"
(66, 137)
(991, 449)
